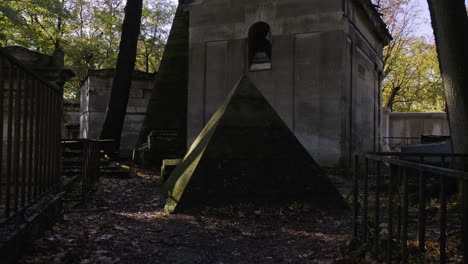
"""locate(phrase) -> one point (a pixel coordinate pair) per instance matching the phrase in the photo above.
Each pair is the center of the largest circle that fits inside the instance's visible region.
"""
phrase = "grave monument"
(309, 95)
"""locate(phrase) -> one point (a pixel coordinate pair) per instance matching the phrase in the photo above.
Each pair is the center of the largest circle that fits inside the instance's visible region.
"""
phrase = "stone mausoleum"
(317, 62)
(95, 93)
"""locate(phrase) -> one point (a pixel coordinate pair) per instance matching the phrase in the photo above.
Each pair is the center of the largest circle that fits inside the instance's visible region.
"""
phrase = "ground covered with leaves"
(124, 222)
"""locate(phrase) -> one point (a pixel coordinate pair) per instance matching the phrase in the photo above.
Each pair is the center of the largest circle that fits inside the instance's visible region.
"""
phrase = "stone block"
(134, 102)
(136, 92)
(168, 166)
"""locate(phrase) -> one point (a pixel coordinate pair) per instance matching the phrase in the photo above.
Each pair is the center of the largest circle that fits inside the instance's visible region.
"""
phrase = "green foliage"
(415, 83)
(412, 81)
(88, 31)
(153, 33)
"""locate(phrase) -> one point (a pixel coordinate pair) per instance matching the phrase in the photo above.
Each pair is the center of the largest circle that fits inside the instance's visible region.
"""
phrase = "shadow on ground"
(124, 223)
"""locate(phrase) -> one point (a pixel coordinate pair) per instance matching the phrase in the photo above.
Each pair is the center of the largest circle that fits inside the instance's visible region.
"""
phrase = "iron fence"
(385, 178)
(88, 167)
(31, 126)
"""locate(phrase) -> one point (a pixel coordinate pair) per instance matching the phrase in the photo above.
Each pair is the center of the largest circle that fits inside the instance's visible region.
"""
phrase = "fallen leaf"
(247, 234)
(211, 227)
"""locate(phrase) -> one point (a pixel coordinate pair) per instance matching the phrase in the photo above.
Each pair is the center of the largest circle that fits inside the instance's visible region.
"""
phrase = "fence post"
(355, 196)
(377, 209)
(365, 199)
(390, 212)
(404, 216)
(421, 212)
(9, 132)
(443, 220)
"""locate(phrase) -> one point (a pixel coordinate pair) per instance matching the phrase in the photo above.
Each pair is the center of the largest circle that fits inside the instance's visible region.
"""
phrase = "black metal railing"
(381, 191)
(87, 166)
(90, 167)
(30, 132)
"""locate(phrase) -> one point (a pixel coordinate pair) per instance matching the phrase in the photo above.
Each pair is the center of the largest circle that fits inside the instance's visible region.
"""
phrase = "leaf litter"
(124, 222)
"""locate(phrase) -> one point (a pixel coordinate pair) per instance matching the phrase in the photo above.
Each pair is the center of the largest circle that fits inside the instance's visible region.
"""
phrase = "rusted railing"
(381, 201)
(31, 126)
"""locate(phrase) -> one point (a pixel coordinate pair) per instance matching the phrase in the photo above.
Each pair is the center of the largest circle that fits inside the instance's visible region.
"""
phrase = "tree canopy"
(414, 84)
(88, 31)
(412, 80)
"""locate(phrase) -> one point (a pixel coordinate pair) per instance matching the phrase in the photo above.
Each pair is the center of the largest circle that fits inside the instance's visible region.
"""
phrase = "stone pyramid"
(246, 153)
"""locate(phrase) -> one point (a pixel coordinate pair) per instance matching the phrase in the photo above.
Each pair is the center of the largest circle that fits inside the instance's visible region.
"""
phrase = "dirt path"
(124, 223)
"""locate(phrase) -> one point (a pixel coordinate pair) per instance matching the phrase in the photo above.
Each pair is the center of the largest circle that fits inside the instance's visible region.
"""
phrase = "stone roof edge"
(376, 20)
(366, 5)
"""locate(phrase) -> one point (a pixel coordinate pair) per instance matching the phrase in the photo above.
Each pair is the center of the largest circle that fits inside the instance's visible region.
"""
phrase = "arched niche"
(260, 46)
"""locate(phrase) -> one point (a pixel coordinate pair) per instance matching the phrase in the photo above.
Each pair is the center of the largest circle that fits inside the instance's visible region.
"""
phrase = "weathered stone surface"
(71, 120)
(406, 124)
(167, 107)
(95, 94)
(246, 152)
(442, 147)
(326, 65)
(49, 68)
(168, 166)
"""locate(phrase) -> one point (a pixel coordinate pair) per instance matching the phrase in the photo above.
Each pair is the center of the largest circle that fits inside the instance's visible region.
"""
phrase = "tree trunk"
(391, 98)
(450, 24)
(117, 106)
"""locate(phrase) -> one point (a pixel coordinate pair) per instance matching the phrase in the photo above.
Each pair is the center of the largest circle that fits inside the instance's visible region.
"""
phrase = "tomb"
(318, 63)
(309, 96)
(95, 93)
(246, 153)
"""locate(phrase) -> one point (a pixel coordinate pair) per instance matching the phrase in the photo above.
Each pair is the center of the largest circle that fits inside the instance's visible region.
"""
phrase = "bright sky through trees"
(426, 29)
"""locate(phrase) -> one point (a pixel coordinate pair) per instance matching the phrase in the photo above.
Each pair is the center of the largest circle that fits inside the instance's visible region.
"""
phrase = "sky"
(425, 29)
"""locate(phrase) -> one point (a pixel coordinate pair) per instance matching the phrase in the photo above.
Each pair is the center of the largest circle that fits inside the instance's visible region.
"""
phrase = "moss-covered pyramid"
(247, 153)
